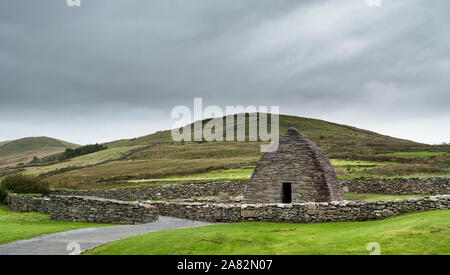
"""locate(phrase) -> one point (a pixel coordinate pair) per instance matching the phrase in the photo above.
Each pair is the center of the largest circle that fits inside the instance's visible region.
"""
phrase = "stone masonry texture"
(399, 186)
(312, 212)
(112, 211)
(396, 186)
(301, 163)
(85, 209)
(161, 192)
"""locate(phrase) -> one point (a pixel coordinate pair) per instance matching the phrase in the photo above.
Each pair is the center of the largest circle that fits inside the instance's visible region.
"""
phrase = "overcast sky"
(114, 69)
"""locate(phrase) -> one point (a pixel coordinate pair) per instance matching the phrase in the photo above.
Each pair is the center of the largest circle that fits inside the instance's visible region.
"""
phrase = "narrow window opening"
(287, 192)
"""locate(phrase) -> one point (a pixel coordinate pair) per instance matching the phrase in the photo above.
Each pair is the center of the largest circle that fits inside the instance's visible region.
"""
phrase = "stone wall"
(399, 186)
(30, 204)
(85, 209)
(76, 208)
(302, 212)
(160, 192)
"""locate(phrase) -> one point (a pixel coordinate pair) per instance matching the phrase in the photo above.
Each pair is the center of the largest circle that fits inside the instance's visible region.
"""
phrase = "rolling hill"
(4, 142)
(331, 137)
(23, 150)
(354, 152)
(163, 157)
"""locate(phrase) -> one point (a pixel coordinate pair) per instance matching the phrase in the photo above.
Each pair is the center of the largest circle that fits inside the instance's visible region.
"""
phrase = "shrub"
(35, 160)
(3, 195)
(22, 184)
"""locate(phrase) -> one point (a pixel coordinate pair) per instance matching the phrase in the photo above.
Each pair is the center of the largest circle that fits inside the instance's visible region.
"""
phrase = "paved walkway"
(77, 241)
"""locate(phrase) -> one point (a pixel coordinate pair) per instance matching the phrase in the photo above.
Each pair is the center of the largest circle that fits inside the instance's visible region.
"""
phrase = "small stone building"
(298, 171)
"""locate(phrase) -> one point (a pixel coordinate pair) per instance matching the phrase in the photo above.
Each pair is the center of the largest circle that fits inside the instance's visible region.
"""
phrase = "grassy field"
(165, 160)
(238, 174)
(421, 233)
(244, 173)
(82, 161)
(20, 226)
(354, 152)
(345, 170)
(337, 163)
(416, 154)
(197, 161)
(23, 150)
(357, 169)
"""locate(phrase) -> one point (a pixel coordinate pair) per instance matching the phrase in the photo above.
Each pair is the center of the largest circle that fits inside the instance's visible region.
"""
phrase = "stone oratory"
(298, 171)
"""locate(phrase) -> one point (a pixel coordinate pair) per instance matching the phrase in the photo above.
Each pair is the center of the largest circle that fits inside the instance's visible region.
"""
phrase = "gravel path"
(77, 241)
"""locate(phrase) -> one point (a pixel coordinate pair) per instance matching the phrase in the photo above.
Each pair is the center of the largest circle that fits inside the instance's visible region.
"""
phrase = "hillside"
(23, 150)
(164, 158)
(4, 142)
(331, 137)
(157, 158)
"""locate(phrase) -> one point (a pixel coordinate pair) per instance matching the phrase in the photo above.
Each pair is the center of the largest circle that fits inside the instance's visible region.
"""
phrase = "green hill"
(331, 137)
(4, 142)
(163, 157)
(23, 150)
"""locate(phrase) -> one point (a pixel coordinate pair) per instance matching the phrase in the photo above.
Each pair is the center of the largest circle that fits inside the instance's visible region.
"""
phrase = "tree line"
(83, 150)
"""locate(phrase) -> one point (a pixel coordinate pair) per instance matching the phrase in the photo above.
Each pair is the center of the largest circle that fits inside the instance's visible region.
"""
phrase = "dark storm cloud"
(116, 61)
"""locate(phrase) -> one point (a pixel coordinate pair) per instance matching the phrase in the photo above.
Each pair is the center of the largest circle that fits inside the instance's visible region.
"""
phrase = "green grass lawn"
(377, 197)
(420, 233)
(20, 226)
(358, 163)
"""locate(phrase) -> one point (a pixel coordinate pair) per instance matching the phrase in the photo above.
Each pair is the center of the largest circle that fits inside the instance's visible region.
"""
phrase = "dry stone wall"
(160, 192)
(302, 212)
(85, 209)
(78, 208)
(399, 186)
(29, 204)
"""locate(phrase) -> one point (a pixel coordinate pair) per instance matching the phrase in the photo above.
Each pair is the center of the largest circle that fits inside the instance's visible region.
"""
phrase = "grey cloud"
(309, 57)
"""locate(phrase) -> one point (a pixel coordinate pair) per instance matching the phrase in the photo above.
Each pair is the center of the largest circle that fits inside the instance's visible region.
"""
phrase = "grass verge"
(20, 226)
(419, 233)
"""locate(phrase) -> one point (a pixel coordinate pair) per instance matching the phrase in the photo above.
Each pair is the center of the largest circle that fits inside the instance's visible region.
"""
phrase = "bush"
(3, 195)
(22, 184)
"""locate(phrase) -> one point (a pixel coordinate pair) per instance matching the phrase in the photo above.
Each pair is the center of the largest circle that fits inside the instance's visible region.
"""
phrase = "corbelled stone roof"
(298, 161)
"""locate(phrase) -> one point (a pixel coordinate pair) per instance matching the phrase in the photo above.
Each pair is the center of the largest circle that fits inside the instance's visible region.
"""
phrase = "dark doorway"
(287, 192)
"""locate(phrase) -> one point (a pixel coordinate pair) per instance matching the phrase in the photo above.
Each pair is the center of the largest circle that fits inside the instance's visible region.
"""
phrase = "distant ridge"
(157, 156)
(23, 150)
(325, 134)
